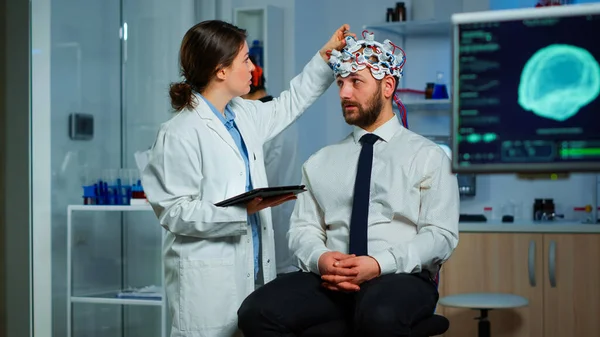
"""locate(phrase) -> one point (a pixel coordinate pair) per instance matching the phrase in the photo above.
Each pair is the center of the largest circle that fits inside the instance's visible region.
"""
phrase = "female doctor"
(211, 150)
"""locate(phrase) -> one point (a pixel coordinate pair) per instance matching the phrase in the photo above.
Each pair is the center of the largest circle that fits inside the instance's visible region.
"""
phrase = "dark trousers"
(296, 305)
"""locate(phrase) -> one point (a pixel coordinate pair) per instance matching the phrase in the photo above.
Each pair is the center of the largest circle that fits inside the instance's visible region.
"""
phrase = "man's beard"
(363, 116)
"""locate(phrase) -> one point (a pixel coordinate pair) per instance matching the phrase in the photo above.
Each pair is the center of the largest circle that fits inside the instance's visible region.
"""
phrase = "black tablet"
(264, 192)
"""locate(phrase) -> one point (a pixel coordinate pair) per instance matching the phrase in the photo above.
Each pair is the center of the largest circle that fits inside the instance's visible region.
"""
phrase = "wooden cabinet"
(572, 296)
(525, 264)
(496, 262)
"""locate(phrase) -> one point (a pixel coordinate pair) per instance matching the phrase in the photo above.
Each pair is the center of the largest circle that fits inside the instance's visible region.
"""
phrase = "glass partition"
(100, 77)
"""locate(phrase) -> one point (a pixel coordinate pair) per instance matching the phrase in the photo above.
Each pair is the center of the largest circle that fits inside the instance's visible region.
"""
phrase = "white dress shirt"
(414, 202)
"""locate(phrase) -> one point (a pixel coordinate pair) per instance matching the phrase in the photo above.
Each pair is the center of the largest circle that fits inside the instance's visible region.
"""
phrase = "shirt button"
(248, 240)
(248, 275)
(241, 174)
(268, 261)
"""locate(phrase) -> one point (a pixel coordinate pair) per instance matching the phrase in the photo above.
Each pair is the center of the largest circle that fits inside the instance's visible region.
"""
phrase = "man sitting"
(379, 218)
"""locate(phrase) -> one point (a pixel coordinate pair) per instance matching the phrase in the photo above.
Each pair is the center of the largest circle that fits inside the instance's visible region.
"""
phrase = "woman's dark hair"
(206, 48)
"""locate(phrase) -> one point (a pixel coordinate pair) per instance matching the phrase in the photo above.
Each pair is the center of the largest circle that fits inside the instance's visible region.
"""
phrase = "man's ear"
(389, 86)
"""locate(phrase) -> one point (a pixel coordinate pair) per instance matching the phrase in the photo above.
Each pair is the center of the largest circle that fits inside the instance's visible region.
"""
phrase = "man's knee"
(382, 320)
(249, 312)
(391, 305)
(269, 304)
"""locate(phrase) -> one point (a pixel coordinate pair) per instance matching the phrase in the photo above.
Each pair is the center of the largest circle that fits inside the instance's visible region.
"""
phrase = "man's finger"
(343, 271)
(347, 263)
(341, 256)
(335, 279)
(347, 286)
(329, 286)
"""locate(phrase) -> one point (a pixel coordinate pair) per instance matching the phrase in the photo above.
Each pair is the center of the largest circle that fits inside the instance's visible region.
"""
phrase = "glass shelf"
(116, 208)
(112, 298)
(414, 28)
(417, 105)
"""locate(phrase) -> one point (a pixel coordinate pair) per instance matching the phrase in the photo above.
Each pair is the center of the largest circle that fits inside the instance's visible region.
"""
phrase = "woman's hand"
(337, 41)
(258, 204)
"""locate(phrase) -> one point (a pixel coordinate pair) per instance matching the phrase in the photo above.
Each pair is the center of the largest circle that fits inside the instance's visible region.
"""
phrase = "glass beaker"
(439, 89)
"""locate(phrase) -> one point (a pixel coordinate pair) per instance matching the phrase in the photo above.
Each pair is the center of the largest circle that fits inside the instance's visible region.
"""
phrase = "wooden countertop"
(524, 226)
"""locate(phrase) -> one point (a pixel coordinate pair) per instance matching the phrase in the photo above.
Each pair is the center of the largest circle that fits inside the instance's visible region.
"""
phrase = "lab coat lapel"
(216, 125)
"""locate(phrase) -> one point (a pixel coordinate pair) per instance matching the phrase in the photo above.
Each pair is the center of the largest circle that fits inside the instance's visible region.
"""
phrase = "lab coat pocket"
(208, 295)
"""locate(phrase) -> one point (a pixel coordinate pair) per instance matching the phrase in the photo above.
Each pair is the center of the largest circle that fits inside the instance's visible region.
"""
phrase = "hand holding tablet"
(261, 198)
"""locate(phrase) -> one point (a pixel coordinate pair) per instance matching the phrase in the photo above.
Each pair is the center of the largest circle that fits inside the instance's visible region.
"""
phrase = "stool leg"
(484, 325)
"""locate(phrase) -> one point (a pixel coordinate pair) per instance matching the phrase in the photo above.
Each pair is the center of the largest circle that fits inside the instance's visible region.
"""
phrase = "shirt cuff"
(320, 64)
(387, 262)
(313, 264)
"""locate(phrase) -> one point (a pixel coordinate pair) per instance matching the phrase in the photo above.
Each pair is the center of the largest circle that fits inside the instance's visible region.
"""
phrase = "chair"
(484, 302)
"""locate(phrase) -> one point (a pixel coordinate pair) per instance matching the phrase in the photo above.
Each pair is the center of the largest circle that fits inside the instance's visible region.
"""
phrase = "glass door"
(100, 77)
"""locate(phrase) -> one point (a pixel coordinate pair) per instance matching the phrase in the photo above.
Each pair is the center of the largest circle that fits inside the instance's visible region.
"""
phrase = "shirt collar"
(385, 131)
(228, 119)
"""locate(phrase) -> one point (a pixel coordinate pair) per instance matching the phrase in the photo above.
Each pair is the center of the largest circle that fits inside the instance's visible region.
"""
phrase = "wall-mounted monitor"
(526, 90)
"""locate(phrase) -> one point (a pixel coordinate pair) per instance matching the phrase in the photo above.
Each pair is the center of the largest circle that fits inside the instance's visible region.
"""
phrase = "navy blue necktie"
(360, 205)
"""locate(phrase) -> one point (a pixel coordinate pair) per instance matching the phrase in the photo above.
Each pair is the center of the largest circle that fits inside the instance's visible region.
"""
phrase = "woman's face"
(240, 73)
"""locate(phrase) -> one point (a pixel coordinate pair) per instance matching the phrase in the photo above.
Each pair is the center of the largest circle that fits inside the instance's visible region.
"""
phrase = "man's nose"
(345, 91)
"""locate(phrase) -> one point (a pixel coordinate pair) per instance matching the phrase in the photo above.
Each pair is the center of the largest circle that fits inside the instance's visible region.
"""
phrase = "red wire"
(414, 91)
(363, 33)
(402, 110)
(366, 63)
(403, 53)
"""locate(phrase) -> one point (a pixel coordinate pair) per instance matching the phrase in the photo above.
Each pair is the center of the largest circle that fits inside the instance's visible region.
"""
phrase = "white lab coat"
(194, 163)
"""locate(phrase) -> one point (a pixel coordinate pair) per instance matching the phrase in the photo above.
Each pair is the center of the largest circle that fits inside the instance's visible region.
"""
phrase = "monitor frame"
(499, 16)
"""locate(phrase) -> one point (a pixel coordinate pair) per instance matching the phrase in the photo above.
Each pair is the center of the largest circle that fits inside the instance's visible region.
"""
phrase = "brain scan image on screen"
(558, 80)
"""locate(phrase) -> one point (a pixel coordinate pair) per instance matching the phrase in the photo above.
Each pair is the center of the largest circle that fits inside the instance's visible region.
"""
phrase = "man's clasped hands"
(344, 272)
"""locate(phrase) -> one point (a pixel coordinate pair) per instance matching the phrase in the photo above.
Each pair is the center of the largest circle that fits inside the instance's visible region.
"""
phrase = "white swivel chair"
(484, 302)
